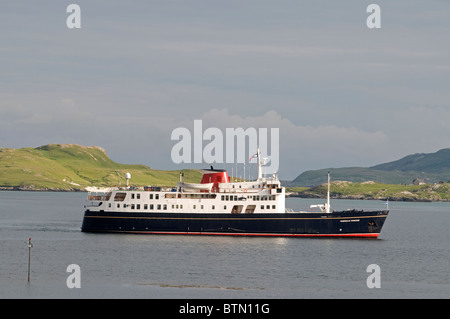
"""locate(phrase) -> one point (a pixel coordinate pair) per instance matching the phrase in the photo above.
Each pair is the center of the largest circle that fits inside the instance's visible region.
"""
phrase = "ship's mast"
(259, 164)
(327, 208)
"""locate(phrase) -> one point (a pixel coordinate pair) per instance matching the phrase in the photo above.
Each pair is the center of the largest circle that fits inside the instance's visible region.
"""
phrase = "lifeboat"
(195, 187)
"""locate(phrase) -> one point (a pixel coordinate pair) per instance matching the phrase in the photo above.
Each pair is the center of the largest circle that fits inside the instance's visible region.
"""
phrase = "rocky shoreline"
(32, 188)
(369, 190)
(364, 197)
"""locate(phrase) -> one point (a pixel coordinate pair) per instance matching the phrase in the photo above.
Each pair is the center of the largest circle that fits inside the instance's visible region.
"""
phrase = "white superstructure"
(215, 194)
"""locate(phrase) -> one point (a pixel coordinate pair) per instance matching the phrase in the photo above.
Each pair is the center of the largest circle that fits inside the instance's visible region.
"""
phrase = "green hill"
(429, 168)
(74, 167)
(434, 163)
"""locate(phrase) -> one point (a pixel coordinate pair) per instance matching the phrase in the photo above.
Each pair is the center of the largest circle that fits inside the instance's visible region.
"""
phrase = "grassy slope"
(66, 166)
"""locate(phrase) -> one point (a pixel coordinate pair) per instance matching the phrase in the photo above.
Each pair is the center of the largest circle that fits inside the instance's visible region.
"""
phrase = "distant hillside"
(376, 191)
(438, 163)
(74, 167)
(429, 168)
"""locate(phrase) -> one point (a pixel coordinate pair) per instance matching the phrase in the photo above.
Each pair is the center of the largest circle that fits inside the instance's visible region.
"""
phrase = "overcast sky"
(340, 93)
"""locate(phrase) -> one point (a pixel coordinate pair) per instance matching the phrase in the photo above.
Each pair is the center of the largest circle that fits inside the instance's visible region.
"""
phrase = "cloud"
(307, 146)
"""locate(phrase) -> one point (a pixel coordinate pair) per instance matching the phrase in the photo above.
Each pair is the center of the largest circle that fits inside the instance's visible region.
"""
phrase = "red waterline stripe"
(371, 235)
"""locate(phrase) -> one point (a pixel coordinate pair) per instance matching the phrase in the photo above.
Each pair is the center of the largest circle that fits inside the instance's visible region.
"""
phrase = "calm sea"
(413, 253)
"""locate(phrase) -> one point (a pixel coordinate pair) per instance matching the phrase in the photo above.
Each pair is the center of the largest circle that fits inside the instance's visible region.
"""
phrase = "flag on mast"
(255, 155)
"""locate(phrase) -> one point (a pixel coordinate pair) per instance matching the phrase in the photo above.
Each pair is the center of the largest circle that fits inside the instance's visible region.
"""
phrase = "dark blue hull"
(336, 224)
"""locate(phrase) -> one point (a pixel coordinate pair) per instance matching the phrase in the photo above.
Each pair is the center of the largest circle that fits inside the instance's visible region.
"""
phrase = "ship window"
(181, 206)
(156, 196)
(213, 206)
(250, 209)
(159, 206)
(268, 207)
(119, 197)
(151, 206)
(222, 197)
(274, 207)
(201, 207)
(227, 197)
(118, 205)
(132, 206)
(237, 209)
(165, 207)
(138, 206)
(145, 206)
(138, 196)
(151, 196)
(224, 207)
(262, 206)
(109, 205)
(195, 206)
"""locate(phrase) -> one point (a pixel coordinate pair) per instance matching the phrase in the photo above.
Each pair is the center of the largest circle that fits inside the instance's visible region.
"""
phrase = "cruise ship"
(217, 206)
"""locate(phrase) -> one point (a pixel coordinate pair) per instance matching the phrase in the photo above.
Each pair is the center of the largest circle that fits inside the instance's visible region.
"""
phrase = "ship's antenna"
(259, 164)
